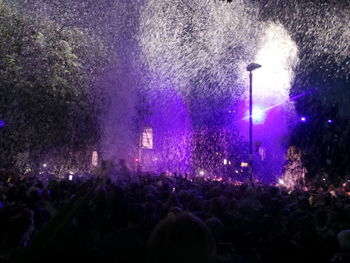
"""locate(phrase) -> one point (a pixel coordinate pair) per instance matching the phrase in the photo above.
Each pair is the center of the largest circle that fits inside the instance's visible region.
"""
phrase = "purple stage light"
(303, 119)
(2, 124)
(259, 115)
(330, 121)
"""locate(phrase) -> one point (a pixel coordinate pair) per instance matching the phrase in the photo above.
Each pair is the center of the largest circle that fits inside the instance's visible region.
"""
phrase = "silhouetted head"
(344, 240)
(181, 237)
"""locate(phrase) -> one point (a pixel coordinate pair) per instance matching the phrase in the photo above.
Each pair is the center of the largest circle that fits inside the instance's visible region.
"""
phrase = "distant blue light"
(303, 119)
(330, 121)
(2, 124)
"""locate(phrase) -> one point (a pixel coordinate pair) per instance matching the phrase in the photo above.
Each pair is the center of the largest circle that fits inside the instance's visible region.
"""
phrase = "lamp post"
(250, 68)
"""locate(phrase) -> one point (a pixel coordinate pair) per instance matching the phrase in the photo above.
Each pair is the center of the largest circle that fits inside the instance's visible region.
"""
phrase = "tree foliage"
(48, 97)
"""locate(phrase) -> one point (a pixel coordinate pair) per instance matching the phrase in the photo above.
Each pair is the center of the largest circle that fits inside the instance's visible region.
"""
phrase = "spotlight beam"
(279, 104)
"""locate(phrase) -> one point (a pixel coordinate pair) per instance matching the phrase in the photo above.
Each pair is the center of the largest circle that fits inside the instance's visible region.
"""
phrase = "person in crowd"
(169, 219)
(344, 244)
(181, 237)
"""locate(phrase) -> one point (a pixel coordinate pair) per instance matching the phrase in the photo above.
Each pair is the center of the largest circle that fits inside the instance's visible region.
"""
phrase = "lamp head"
(253, 66)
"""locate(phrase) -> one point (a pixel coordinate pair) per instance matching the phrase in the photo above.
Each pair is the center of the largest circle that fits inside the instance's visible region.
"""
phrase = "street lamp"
(250, 68)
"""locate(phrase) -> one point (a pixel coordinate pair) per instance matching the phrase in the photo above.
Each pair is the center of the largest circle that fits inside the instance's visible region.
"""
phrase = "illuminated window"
(147, 138)
(94, 159)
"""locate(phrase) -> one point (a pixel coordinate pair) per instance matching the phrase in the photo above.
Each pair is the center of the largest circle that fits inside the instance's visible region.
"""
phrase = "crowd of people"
(161, 218)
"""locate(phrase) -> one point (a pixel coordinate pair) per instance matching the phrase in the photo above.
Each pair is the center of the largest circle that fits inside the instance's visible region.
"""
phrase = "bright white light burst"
(278, 56)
